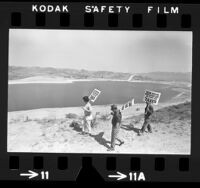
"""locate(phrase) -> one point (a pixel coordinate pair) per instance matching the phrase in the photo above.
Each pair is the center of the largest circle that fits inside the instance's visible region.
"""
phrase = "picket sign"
(128, 104)
(93, 96)
(151, 97)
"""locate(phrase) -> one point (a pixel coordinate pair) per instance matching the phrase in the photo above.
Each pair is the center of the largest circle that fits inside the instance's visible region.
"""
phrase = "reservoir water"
(55, 95)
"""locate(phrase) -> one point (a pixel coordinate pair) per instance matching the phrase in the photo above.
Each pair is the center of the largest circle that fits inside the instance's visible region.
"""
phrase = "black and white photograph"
(99, 91)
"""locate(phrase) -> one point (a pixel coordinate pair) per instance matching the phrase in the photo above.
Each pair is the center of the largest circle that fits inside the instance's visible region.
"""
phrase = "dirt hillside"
(59, 130)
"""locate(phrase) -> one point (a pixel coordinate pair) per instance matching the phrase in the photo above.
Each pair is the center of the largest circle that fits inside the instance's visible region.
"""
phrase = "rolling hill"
(17, 73)
(164, 76)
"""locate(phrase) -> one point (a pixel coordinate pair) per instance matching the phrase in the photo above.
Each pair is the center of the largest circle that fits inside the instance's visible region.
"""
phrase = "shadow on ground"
(102, 141)
(76, 126)
(130, 127)
(99, 137)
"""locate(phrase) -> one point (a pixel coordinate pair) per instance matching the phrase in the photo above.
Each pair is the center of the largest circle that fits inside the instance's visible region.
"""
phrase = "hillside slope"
(59, 130)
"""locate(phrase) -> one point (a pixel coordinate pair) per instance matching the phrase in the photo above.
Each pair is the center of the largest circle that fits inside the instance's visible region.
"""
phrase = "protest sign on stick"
(95, 93)
(151, 97)
(128, 104)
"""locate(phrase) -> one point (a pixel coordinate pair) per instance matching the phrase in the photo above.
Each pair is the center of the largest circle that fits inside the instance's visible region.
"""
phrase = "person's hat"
(113, 107)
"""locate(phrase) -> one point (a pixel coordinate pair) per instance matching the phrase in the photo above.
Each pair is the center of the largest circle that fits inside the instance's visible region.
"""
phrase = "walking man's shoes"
(111, 149)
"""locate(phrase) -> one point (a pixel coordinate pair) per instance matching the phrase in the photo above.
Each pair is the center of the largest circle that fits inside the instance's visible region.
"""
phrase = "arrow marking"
(119, 176)
(30, 175)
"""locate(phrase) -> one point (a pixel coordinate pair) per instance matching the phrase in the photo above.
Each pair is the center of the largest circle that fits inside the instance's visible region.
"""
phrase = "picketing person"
(116, 121)
(87, 119)
(147, 119)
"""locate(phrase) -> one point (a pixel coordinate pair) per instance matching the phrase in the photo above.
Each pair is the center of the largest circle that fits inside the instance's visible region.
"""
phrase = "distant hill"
(16, 73)
(164, 76)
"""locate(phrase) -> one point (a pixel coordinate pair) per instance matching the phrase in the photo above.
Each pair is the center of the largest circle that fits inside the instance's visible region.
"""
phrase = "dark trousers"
(146, 125)
(115, 134)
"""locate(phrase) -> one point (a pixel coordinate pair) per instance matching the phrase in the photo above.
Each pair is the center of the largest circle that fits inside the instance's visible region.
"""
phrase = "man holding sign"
(147, 118)
(150, 97)
(87, 120)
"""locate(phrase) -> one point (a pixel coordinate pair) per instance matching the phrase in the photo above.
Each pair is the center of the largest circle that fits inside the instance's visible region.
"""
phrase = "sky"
(102, 50)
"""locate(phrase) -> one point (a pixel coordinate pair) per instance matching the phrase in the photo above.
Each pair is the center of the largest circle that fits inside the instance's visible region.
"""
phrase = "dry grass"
(71, 116)
(175, 112)
(104, 117)
(168, 114)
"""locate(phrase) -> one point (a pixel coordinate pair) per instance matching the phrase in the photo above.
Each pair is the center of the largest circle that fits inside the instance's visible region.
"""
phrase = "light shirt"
(87, 109)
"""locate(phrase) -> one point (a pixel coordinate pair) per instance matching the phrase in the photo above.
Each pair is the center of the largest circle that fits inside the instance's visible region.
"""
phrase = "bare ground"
(58, 130)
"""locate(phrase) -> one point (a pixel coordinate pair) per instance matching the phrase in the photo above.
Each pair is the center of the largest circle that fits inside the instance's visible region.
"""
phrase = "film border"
(174, 168)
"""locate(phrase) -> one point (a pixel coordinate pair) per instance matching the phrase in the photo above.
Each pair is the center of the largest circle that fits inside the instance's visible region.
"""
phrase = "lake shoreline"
(60, 81)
